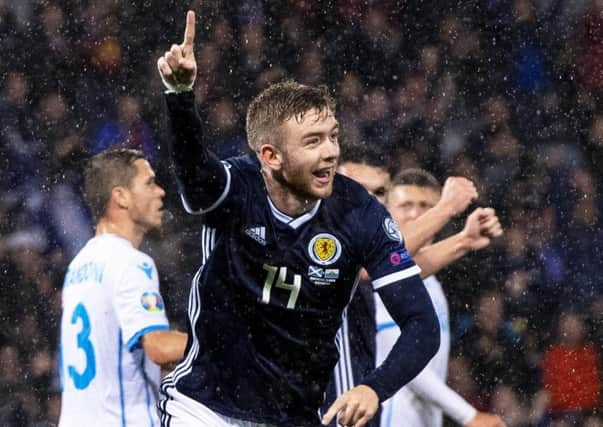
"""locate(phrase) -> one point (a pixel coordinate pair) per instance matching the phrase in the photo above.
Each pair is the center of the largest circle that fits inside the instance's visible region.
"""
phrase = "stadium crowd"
(504, 92)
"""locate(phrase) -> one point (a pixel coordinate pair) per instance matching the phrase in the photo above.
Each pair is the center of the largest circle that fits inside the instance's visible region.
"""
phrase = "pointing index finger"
(189, 31)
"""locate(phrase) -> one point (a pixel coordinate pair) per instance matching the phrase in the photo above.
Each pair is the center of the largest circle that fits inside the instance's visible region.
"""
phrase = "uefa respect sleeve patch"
(152, 302)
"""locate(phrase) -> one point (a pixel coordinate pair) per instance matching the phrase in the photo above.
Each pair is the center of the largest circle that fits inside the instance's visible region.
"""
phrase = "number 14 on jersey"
(276, 277)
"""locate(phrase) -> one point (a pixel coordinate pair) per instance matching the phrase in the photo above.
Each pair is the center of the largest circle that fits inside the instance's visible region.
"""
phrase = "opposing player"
(422, 402)
(285, 240)
(430, 208)
(114, 331)
(356, 337)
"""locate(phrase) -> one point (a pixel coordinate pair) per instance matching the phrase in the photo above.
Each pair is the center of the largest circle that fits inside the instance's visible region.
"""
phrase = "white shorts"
(179, 410)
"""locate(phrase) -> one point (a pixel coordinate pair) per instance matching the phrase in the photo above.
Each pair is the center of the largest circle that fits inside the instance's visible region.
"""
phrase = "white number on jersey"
(293, 288)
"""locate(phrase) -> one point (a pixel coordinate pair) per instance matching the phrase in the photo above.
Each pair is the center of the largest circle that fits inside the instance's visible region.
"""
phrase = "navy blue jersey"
(357, 345)
(267, 303)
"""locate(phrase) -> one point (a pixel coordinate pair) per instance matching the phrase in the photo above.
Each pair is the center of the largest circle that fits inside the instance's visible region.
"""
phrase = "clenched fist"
(481, 226)
(457, 193)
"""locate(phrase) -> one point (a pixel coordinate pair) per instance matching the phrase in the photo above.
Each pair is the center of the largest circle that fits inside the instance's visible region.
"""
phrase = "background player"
(287, 239)
(357, 336)
(356, 339)
(414, 193)
(114, 330)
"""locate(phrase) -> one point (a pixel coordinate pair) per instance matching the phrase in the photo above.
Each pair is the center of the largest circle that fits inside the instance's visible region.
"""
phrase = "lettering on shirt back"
(88, 272)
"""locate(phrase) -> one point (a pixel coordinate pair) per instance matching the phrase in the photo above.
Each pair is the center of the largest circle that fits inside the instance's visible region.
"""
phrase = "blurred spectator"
(10, 43)
(376, 117)
(226, 137)
(350, 93)
(12, 411)
(529, 60)
(49, 41)
(128, 129)
(593, 145)
(571, 371)
(496, 119)
(21, 153)
(252, 50)
(509, 406)
(461, 379)
(311, 69)
(584, 241)
(494, 350)
(590, 45)
(595, 315)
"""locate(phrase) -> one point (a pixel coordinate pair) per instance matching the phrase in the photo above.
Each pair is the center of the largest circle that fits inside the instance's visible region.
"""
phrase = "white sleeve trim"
(394, 277)
(432, 388)
(216, 204)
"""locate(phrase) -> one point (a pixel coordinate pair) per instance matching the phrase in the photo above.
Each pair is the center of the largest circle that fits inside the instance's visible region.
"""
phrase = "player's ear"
(121, 197)
(271, 156)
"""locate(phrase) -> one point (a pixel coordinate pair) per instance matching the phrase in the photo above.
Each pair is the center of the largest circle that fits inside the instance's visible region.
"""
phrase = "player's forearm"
(433, 258)
(411, 308)
(430, 387)
(422, 230)
(164, 346)
(200, 175)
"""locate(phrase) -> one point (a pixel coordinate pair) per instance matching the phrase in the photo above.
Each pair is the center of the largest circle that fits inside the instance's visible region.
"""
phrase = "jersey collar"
(290, 221)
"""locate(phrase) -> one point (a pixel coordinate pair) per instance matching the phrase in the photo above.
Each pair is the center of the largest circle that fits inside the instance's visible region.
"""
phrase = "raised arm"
(481, 226)
(202, 179)
(457, 193)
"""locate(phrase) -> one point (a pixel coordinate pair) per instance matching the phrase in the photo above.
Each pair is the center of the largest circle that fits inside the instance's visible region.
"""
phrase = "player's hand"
(177, 67)
(457, 193)
(480, 228)
(353, 408)
(483, 419)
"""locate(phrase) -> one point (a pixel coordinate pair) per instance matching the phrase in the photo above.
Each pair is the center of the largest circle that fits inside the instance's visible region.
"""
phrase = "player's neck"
(285, 200)
(125, 230)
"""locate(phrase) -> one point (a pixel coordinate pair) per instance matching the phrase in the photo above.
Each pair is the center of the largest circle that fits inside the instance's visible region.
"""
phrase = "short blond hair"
(278, 103)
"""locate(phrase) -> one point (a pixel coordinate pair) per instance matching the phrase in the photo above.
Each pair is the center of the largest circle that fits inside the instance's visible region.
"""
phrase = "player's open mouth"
(323, 176)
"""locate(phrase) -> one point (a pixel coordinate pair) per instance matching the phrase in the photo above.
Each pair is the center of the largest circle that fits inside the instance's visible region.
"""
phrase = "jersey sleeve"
(396, 277)
(383, 253)
(203, 180)
(138, 302)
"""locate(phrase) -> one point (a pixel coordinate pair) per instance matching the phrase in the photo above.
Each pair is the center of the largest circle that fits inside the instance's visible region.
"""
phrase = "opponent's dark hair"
(105, 171)
(363, 153)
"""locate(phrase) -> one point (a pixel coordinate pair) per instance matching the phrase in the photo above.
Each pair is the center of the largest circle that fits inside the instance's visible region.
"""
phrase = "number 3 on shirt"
(82, 380)
(293, 288)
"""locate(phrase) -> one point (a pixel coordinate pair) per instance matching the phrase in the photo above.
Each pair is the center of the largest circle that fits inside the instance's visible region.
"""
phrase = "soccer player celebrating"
(419, 204)
(285, 240)
(114, 330)
(414, 196)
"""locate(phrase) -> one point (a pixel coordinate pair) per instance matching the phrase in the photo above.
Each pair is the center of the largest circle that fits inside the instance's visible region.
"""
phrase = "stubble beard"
(152, 221)
(300, 188)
